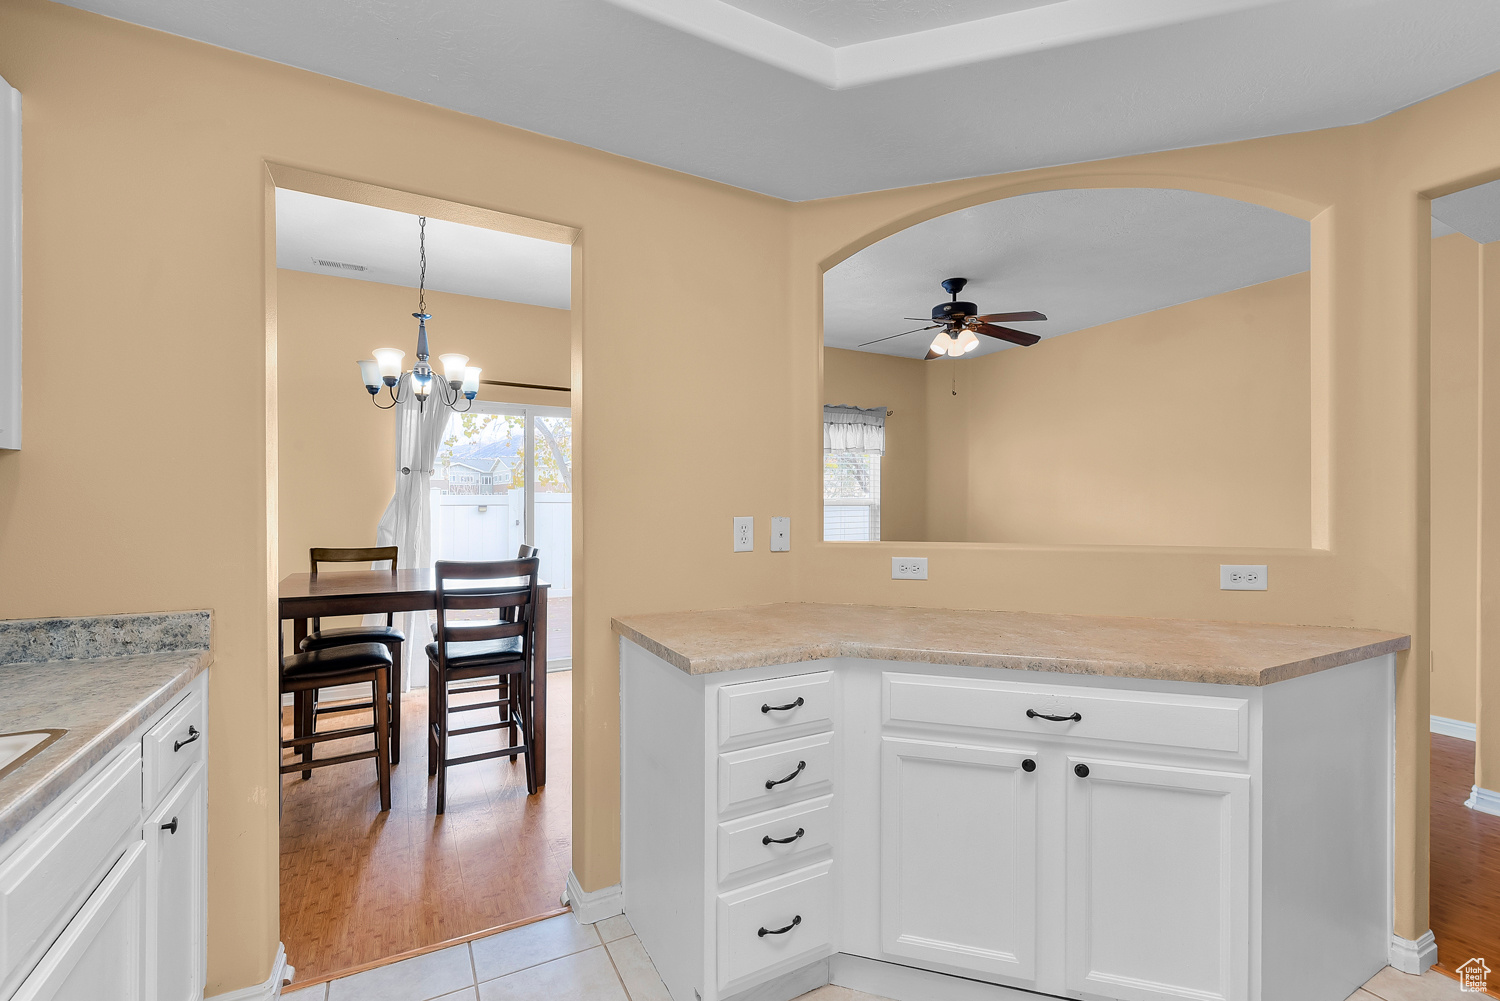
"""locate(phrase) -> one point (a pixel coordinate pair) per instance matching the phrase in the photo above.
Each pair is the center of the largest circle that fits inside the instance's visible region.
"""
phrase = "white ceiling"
(811, 98)
(1083, 257)
(467, 260)
(1474, 212)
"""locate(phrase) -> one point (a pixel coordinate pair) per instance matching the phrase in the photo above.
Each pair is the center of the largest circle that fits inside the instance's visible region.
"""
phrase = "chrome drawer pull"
(1075, 718)
(768, 840)
(193, 735)
(764, 931)
(773, 783)
(768, 708)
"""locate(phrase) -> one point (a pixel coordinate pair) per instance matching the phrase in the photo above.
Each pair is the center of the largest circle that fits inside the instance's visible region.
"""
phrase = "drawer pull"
(773, 783)
(1082, 771)
(172, 826)
(1075, 718)
(764, 931)
(1028, 765)
(768, 840)
(193, 735)
(768, 708)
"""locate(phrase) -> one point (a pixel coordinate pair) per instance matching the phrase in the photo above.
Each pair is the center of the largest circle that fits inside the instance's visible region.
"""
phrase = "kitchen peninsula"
(972, 804)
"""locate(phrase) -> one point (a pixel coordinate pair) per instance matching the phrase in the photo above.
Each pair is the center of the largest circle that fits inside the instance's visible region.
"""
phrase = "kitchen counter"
(1225, 653)
(104, 678)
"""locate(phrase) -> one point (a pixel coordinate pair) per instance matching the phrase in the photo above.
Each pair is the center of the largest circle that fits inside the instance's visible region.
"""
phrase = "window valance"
(854, 429)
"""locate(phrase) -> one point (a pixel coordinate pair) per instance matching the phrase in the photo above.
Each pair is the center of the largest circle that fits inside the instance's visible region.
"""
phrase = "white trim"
(10, 266)
(268, 989)
(556, 664)
(1413, 957)
(839, 67)
(591, 906)
(909, 983)
(1453, 727)
(1483, 800)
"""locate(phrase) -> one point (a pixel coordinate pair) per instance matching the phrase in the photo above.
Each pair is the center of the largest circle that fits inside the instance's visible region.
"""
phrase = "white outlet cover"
(781, 535)
(908, 568)
(1242, 577)
(744, 535)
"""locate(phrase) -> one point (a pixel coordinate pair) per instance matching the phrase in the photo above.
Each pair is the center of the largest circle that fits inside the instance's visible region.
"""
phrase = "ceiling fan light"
(939, 344)
(967, 341)
(955, 348)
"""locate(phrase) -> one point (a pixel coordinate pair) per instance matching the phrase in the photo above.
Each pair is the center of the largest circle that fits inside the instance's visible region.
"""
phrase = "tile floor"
(562, 960)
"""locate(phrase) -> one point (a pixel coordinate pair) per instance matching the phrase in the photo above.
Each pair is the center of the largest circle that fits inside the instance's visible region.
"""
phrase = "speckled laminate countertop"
(100, 700)
(1222, 653)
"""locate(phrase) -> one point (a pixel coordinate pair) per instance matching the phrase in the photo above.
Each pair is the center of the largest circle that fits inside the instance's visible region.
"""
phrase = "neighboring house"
(479, 468)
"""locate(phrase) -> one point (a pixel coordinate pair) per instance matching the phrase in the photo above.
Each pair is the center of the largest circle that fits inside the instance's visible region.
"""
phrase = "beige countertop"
(1222, 653)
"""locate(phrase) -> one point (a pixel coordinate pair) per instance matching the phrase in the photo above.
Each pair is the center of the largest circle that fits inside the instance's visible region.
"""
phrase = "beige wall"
(1186, 426)
(864, 379)
(150, 283)
(1455, 472)
(1487, 686)
(336, 450)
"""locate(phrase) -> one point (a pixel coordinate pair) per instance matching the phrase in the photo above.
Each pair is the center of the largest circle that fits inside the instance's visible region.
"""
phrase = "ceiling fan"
(961, 323)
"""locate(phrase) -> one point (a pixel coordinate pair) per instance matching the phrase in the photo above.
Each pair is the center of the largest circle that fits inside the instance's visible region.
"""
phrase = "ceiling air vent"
(343, 265)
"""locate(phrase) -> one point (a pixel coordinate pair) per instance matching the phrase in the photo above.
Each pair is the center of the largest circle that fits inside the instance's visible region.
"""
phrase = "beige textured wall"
(149, 279)
(1186, 426)
(336, 450)
(864, 379)
(1455, 474)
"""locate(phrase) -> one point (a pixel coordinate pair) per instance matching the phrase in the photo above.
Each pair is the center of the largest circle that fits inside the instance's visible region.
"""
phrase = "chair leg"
(395, 701)
(306, 709)
(507, 693)
(432, 718)
(523, 682)
(380, 700)
(442, 739)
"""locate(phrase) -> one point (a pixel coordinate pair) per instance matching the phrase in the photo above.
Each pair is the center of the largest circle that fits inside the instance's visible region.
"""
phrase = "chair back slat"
(514, 595)
(366, 554)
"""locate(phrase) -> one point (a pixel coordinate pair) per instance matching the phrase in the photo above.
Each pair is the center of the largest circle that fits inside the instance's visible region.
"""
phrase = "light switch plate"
(744, 535)
(908, 568)
(781, 535)
(1242, 577)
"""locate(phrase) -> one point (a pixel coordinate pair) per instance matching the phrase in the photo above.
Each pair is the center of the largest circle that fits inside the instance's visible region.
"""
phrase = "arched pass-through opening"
(1174, 395)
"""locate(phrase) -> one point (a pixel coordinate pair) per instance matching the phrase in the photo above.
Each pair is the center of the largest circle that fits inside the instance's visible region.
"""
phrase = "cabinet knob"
(1082, 771)
(1028, 765)
(171, 826)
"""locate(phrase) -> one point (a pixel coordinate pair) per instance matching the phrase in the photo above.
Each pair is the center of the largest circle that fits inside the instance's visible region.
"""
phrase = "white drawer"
(774, 774)
(174, 745)
(1185, 721)
(747, 842)
(802, 900)
(777, 706)
(56, 864)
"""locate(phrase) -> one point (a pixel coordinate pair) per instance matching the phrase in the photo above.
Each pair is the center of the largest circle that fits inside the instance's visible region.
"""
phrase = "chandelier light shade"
(460, 381)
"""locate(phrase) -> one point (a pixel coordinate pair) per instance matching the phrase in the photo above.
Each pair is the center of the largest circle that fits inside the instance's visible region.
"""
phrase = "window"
(851, 497)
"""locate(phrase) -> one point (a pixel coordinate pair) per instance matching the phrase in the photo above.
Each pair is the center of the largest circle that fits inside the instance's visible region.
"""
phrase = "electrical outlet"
(908, 568)
(744, 535)
(1242, 577)
(781, 535)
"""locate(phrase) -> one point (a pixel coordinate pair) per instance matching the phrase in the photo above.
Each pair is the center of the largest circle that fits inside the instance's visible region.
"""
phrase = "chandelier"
(460, 380)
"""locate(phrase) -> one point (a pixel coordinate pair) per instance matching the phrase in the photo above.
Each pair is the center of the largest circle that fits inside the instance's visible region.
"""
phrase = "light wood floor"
(1465, 908)
(359, 886)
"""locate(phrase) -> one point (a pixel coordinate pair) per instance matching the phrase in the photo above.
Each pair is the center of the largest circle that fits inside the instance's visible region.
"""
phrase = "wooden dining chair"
(349, 664)
(387, 635)
(503, 649)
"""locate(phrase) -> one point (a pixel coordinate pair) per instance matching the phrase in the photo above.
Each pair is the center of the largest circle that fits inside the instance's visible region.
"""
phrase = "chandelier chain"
(422, 278)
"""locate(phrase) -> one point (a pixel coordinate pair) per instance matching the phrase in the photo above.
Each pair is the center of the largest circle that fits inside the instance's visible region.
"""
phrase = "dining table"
(304, 596)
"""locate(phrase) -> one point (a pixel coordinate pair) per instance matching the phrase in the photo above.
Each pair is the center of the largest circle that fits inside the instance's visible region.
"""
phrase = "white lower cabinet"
(103, 896)
(958, 857)
(1158, 881)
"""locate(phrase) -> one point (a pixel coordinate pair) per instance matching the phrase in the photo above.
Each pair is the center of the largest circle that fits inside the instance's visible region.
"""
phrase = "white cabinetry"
(103, 896)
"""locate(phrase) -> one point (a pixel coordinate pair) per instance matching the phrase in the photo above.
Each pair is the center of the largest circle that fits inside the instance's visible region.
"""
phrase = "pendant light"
(460, 380)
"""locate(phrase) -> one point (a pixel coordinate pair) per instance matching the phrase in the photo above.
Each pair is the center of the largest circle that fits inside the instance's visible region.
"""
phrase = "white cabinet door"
(101, 953)
(176, 842)
(1158, 902)
(958, 856)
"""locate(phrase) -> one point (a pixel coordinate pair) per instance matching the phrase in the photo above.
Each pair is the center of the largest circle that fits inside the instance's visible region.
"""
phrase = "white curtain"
(407, 522)
(854, 429)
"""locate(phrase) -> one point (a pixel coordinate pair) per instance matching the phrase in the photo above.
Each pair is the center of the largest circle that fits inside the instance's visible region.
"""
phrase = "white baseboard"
(1453, 727)
(589, 907)
(1413, 957)
(1483, 800)
(907, 983)
(268, 989)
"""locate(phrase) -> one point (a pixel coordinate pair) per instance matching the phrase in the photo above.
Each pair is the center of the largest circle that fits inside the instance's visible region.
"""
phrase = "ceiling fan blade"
(931, 354)
(902, 334)
(1020, 337)
(1029, 314)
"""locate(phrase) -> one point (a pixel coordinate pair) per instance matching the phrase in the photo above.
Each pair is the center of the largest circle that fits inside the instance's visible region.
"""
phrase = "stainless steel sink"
(20, 747)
